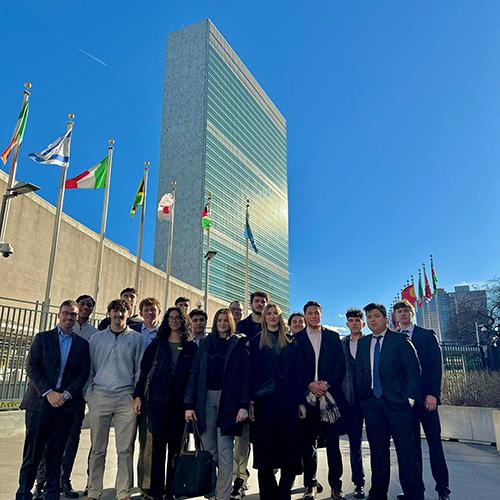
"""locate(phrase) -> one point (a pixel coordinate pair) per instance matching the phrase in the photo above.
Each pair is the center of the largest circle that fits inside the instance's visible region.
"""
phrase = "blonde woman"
(275, 406)
(218, 394)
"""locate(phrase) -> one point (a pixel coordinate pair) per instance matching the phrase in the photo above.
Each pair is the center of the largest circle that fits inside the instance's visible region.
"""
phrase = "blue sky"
(392, 111)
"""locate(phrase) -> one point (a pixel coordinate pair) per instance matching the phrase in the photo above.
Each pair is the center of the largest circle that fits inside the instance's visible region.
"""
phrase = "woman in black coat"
(159, 392)
(218, 394)
(275, 408)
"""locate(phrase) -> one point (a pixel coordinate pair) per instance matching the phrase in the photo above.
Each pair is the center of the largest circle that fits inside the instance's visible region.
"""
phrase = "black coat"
(331, 364)
(399, 370)
(163, 378)
(44, 362)
(431, 362)
(276, 428)
(235, 389)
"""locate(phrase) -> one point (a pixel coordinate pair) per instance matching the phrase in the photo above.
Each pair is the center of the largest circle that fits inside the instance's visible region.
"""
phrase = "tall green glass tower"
(221, 134)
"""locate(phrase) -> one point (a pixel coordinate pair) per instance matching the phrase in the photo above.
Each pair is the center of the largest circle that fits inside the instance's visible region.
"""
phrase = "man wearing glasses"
(58, 367)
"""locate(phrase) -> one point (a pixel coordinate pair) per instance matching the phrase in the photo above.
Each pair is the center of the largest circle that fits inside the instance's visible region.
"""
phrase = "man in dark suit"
(58, 367)
(354, 418)
(321, 366)
(425, 410)
(387, 381)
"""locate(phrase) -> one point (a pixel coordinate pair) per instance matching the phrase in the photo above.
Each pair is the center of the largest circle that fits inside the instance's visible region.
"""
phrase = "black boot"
(67, 490)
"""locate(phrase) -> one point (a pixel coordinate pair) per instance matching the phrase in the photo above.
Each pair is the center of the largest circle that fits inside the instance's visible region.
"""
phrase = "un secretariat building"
(221, 134)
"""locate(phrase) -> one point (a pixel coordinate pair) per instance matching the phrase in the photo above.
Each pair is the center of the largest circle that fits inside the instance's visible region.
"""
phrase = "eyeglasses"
(174, 318)
(70, 314)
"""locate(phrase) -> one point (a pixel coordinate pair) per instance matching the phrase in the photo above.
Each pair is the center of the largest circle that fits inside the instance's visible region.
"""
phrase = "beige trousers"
(104, 408)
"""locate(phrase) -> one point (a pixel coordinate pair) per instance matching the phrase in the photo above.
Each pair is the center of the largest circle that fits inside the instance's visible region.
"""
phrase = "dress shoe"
(67, 490)
(310, 493)
(338, 495)
(444, 495)
(38, 493)
(319, 487)
(359, 492)
(401, 496)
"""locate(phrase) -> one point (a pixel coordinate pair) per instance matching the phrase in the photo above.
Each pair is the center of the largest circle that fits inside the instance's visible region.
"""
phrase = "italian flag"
(17, 136)
(206, 218)
(95, 178)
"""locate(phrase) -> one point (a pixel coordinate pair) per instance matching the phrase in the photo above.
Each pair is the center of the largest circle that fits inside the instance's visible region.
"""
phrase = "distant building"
(221, 134)
(459, 311)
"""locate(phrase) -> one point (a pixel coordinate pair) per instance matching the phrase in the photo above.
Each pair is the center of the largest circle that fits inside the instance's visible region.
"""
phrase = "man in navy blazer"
(425, 410)
(387, 382)
(321, 366)
(58, 368)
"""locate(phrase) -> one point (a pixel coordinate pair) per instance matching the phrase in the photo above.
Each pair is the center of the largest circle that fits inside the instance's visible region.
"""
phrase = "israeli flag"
(56, 153)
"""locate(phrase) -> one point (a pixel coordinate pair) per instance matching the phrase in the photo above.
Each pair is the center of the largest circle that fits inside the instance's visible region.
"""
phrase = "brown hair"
(119, 305)
(406, 304)
(150, 302)
(230, 317)
(265, 336)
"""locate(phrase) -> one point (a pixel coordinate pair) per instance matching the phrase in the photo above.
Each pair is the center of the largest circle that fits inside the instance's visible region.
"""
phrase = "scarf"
(328, 409)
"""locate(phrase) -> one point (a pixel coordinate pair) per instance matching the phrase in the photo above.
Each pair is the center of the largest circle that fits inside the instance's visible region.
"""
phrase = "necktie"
(377, 384)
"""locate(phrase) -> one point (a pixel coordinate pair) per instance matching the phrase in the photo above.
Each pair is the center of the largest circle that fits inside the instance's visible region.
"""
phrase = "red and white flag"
(165, 207)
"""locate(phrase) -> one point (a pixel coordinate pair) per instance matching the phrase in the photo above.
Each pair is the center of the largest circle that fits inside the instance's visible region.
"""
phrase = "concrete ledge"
(467, 423)
(11, 423)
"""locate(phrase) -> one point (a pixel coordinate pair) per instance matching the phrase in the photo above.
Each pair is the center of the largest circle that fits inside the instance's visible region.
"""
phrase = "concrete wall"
(24, 274)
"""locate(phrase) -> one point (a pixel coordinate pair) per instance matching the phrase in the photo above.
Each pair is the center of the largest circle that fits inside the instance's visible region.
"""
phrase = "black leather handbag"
(194, 471)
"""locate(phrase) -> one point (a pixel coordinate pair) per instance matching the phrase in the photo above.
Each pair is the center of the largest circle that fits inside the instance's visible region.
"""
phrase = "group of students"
(250, 381)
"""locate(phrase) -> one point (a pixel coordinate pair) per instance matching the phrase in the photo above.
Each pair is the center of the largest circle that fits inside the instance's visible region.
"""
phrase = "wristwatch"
(66, 395)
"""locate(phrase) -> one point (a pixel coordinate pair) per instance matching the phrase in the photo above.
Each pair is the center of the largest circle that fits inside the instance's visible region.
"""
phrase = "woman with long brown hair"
(218, 394)
(275, 408)
(159, 392)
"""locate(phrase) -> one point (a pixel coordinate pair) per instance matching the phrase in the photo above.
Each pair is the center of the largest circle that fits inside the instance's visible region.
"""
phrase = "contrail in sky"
(86, 53)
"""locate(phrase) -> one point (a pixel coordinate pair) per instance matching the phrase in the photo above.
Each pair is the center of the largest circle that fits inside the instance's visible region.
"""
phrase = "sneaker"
(238, 489)
(359, 492)
(310, 493)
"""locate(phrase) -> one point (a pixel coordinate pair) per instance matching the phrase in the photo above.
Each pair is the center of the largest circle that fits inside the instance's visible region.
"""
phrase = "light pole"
(18, 189)
(208, 257)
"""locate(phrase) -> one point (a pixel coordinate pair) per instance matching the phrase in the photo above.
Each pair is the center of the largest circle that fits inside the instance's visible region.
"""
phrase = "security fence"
(19, 323)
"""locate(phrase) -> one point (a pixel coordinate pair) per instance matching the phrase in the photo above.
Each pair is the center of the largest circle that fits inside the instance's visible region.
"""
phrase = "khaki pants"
(241, 454)
(104, 408)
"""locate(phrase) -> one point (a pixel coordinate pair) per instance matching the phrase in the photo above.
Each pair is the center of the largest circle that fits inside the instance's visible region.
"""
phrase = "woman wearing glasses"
(218, 394)
(275, 407)
(159, 392)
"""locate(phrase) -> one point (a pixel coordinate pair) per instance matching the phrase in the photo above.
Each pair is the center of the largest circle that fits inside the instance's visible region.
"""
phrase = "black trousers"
(70, 450)
(269, 489)
(354, 422)
(382, 423)
(312, 426)
(46, 432)
(432, 430)
(166, 428)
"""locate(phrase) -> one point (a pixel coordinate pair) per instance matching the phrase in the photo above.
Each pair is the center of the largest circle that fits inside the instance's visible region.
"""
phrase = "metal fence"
(464, 358)
(18, 327)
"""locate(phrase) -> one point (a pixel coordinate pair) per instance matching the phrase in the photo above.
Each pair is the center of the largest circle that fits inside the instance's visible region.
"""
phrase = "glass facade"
(245, 158)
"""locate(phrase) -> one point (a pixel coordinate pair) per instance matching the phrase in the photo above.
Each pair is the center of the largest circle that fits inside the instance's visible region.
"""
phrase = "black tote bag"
(194, 471)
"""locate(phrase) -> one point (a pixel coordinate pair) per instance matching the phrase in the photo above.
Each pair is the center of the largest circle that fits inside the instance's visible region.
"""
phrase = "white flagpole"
(207, 260)
(168, 264)
(55, 235)
(141, 228)
(103, 223)
(436, 298)
(247, 253)
(13, 169)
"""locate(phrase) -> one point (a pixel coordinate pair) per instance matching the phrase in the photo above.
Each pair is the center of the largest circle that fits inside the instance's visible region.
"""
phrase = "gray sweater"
(115, 361)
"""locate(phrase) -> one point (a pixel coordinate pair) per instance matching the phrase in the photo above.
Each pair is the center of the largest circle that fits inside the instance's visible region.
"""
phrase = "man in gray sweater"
(115, 355)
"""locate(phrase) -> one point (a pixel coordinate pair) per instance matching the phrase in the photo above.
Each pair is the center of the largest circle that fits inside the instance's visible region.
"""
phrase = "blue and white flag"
(56, 153)
(248, 234)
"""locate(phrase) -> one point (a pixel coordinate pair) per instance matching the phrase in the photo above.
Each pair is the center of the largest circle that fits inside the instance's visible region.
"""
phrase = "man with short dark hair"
(236, 307)
(183, 304)
(115, 362)
(83, 326)
(296, 322)
(58, 367)
(250, 326)
(321, 366)
(129, 296)
(387, 384)
(354, 416)
(425, 410)
(199, 320)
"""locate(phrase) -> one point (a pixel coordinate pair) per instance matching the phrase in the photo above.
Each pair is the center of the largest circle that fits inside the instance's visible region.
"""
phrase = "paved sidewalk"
(474, 471)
